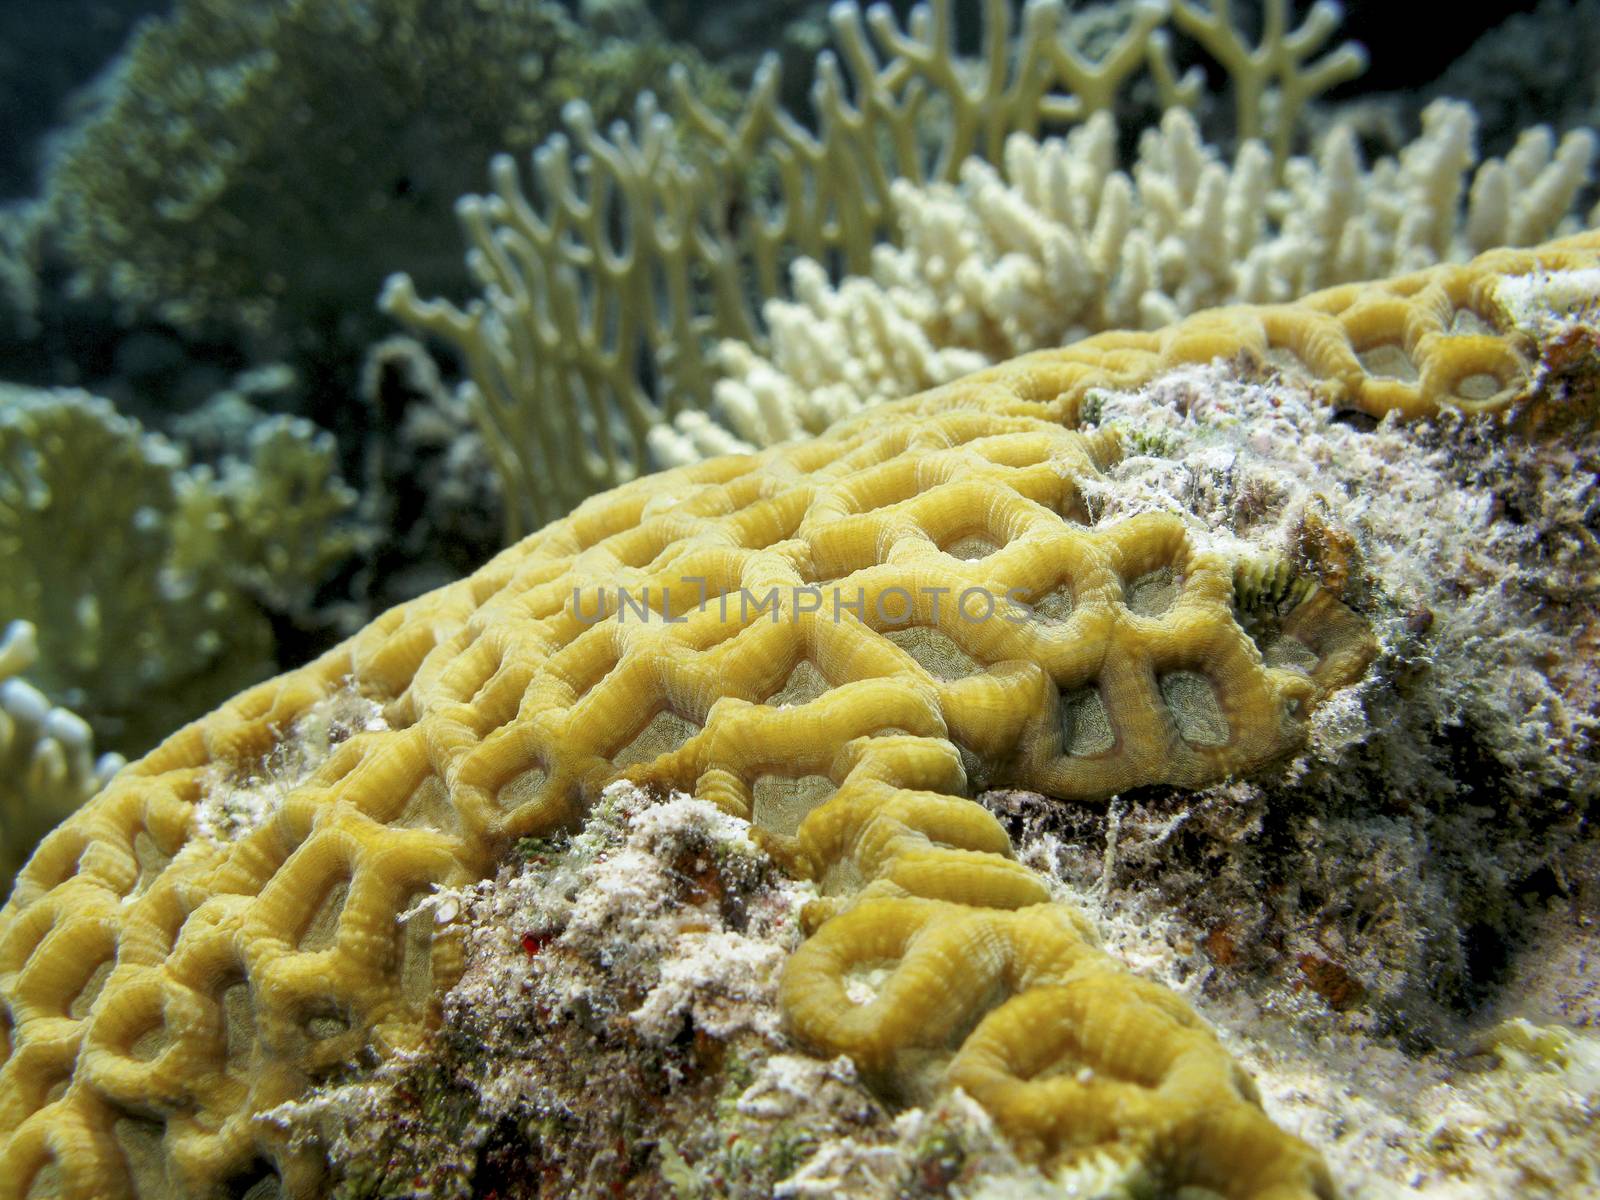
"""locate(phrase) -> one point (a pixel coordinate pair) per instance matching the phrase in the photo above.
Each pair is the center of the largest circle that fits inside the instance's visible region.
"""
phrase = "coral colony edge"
(502, 894)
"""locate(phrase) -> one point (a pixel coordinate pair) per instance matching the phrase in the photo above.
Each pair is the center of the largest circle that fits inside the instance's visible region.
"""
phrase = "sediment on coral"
(1440, 804)
(1503, 1104)
(616, 1029)
(616, 983)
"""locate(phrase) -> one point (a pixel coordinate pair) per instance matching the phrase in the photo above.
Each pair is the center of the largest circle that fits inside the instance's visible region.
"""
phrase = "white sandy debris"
(238, 800)
(1544, 304)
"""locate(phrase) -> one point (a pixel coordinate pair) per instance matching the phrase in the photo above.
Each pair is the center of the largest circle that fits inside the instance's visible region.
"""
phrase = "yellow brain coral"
(842, 639)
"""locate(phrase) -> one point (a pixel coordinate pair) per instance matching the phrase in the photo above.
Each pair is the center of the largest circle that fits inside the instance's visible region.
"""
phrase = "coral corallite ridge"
(234, 919)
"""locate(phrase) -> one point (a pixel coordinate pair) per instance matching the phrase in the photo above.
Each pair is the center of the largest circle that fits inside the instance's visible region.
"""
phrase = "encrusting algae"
(840, 640)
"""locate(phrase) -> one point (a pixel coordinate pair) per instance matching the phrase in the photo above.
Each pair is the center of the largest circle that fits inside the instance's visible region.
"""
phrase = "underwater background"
(311, 307)
(202, 203)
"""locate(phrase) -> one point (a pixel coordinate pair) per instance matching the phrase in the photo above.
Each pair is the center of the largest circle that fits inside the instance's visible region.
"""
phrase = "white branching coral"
(607, 284)
(47, 762)
(1059, 244)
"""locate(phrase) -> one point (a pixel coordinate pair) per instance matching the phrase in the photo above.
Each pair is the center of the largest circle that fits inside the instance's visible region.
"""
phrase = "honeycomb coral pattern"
(1411, 345)
(841, 639)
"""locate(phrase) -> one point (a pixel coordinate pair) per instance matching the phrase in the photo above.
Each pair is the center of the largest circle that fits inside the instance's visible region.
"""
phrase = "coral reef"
(120, 627)
(276, 514)
(164, 610)
(429, 487)
(1505, 1106)
(47, 761)
(184, 194)
(616, 1031)
(1280, 61)
(988, 269)
(225, 926)
(1445, 797)
(622, 970)
(604, 289)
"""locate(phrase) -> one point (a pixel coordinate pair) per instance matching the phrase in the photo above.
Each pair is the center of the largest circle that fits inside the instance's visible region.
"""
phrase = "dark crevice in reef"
(1404, 909)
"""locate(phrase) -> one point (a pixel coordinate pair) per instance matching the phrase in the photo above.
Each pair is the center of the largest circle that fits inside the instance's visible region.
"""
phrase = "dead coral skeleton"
(1315, 915)
(1433, 531)
(640, 953)
(642, 949)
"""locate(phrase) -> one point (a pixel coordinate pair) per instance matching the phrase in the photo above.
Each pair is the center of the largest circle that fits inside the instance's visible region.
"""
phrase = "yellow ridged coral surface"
(220, 928)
